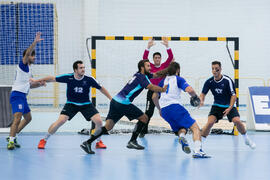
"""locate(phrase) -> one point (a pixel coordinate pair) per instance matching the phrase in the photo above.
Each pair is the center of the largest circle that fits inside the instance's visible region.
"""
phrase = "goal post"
(233, 40)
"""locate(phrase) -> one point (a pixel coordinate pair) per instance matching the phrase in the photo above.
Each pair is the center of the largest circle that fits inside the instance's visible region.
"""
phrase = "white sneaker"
(200, 154)
(250, 143)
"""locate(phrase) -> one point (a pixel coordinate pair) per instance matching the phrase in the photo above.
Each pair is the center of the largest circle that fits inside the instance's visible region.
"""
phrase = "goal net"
(115, 61)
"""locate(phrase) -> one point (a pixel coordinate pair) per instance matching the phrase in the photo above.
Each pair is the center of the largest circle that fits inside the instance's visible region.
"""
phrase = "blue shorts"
(19, 103)
(177, 116)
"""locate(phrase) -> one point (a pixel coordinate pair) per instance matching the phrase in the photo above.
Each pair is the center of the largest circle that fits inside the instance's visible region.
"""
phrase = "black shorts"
(118, 110)
(87, 111)
(218, 113)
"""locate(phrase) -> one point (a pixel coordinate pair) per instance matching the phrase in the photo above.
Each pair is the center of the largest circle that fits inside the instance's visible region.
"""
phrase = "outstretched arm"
(35, 84)
(106, 93)
(157, 88)
(48, 79)
(161, 73)
(31, 48)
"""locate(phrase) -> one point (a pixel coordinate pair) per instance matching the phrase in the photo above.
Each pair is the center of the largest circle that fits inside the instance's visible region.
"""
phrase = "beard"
(147, 73)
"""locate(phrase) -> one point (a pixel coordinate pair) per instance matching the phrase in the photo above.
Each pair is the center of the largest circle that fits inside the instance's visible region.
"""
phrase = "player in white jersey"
(23, 82)
(174, 113)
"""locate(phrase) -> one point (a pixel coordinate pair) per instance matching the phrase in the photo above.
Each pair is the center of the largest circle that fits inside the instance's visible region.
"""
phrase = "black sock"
(97, 135)
(138, 128)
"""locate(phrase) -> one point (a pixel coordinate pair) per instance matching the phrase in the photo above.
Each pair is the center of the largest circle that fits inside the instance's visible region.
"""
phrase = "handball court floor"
(162, 158)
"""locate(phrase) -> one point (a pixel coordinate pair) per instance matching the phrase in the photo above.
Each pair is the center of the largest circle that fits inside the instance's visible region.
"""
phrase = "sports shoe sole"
(201, 157)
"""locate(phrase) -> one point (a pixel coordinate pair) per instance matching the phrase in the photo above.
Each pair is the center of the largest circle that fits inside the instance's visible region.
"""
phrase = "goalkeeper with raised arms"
(170, 108)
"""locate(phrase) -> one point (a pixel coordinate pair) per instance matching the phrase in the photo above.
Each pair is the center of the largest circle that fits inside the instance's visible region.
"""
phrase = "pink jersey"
(161, 67)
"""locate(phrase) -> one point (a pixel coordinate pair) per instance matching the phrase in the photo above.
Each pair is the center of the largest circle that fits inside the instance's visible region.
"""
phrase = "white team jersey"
(172, 95)
(21, 82)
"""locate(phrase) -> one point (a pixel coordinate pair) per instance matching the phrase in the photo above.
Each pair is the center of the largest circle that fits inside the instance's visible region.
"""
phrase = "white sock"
(47, 136)
(11, 139)
(203, 139)
(245, 136)
(182, 135)
(197, 145)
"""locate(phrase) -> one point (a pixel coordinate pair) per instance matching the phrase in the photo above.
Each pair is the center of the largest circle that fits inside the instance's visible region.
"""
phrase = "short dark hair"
(156, 53)
(32, 54)
(141, 64)
(75, 64)
(216, 62)
(173, 67)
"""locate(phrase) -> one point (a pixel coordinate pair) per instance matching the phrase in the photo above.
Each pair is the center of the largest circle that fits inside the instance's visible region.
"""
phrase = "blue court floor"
(162, 158)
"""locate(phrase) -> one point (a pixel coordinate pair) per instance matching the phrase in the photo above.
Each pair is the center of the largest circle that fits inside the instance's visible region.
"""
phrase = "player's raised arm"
(149, 45)
(106, 93)
(31, 48)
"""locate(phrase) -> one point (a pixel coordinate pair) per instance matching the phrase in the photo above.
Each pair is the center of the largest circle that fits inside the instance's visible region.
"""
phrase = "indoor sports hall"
(110, 37)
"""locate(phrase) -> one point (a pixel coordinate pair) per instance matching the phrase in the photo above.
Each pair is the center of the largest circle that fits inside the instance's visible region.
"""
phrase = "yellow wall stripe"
(203, 38)
(221, 38)
(128, 38)
(93, 53)
(93, 72)
(236, 55)
(236, 74)
(109, 37)
(93, 92)
(147, 37)
(184, 38)
(237, 92)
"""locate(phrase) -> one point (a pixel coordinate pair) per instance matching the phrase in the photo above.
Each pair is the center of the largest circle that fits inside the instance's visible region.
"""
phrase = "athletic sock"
(182, 135)
(47, 136)
(245, 136)
(197, 145)
(11, 139)
(203, 139)
(97, 134)
(137, 130)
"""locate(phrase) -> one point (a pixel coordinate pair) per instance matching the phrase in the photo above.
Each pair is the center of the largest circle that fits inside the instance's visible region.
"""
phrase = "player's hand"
(165, 42)
(38, 37)
(201, 103)
(164, 89)
(227, 111)
(151, 43)
(42, 83)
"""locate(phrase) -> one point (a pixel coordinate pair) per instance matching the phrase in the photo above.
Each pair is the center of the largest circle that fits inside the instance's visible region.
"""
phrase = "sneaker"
(250, 143)
(16, 144)
(87, 147)
(185, 146)
(42, 144)
(200, 154)
(100, 145)
(134, 145)
(10, 146)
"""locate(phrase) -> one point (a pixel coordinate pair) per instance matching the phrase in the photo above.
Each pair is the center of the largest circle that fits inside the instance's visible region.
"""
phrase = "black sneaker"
(16, 144)
(134, 145)
(87, 147)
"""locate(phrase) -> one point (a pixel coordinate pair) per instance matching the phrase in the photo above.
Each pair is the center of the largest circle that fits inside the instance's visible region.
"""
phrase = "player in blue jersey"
(23, 82)
(170, 108)
(223, 90)
(78, 100)
(121, 105)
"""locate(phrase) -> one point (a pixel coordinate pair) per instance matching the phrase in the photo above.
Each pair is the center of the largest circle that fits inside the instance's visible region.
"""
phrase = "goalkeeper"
(174, 113)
